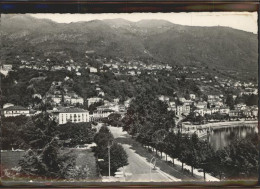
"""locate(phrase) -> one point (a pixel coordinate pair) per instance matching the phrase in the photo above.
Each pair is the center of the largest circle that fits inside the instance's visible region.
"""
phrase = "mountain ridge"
(164, 41)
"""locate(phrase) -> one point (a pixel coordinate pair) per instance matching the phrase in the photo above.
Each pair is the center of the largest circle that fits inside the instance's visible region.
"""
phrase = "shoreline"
(201, 130)
(219, 125)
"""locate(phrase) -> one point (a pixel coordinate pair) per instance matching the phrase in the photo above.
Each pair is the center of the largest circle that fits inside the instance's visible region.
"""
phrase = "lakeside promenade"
(201, 130)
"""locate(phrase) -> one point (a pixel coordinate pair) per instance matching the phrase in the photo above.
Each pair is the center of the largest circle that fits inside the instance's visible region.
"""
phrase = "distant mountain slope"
(218, 47)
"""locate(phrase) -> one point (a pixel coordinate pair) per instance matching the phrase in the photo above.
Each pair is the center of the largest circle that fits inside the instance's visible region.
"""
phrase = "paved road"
(139, 168)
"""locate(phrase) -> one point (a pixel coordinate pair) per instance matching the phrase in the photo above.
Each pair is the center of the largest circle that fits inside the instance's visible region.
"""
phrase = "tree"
(230, 102)
(206, 156)
(43, 157)
(103, 138)
(158, 138)
(118, 158)
(184, 145)
(251, 100)
(147, 114)
(114, 119)
(170, 146)
(47, 163)
(77, 133)
(192, 152)
(38, 131)
(10, 136)
(241, 159)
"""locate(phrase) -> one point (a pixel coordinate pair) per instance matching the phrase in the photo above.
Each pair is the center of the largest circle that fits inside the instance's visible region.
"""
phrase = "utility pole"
(109, 146)
(108, 161)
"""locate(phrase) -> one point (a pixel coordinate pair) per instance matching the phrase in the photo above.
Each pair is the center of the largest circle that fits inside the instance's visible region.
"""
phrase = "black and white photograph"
(129, 97)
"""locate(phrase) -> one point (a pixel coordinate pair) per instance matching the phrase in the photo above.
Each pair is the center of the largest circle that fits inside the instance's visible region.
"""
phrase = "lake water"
(219, 138)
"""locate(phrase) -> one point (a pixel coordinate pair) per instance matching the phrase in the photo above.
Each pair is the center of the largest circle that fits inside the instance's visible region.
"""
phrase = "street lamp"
(153, 158)
(110, 143)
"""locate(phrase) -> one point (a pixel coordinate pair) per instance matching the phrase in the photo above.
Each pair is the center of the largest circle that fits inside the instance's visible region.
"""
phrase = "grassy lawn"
(85, 164)
(85, 160)
(10, 159)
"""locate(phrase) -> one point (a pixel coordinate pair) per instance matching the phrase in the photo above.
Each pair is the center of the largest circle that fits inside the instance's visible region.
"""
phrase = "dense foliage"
(76, 133)
(147, 114)
(48, 162)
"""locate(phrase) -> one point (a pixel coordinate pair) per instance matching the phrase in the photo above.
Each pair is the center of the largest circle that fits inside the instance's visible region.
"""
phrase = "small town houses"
(93, 100)
(73, 99)
(58, 94)
(213, 105)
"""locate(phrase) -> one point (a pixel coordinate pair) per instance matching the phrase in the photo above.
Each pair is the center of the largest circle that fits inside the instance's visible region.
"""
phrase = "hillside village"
(216, 94)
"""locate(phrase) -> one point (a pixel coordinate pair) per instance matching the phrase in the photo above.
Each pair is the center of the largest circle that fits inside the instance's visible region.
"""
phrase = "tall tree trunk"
(204, 174)
(173, 163)
(161, 155)
(192, 170)
(182, 166)
(166, 157)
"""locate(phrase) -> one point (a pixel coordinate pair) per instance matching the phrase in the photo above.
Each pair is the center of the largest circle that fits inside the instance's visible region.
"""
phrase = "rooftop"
(16, 108)
(71, 110)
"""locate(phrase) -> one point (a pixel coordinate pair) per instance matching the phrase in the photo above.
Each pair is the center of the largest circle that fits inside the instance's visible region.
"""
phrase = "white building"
(71, 114)
(172, 106)
(224, 110)
(101, 93)
(12, 111)
(37, 95)
(127, 102)
(163, 98)
(93, 70)
(93, 100)
(100, 114)
(201, 105)
(7, 105)
(5, 69)
(73, 99)
(182, 109)
(201, 111)
(192, 96)
(56, 99)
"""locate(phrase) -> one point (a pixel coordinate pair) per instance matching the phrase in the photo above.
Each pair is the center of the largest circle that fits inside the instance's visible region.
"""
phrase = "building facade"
(74, 115)
(12, 111)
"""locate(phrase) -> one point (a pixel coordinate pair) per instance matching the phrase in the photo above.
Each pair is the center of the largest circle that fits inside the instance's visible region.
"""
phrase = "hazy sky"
(239, 20)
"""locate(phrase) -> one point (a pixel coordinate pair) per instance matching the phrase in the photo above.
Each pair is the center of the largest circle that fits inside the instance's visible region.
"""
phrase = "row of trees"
(148, 120)
(237, 160)
(189, 150)
(43, 140)
(107, 148)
